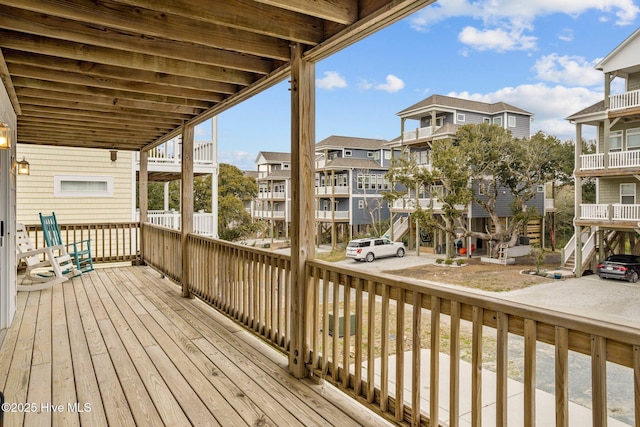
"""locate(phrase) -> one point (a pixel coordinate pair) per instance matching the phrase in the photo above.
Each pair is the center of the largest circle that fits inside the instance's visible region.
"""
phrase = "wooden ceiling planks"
(126, 74)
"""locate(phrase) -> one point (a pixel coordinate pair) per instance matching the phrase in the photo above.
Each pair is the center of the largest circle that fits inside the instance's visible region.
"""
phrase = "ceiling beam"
(26, 76)
(104, 107)
(246, 15)
(100, 116)
(156, 24)
(80, 32)
(344, 12)
(46, 96)
(32, 87)
(35, 119)
(101, 55)
(98, 72)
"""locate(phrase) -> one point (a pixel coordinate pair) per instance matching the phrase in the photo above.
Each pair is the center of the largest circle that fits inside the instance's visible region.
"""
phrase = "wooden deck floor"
(119, 346)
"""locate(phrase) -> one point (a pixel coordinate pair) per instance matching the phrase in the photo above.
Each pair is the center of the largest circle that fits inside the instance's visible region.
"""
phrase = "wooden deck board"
(123, 341)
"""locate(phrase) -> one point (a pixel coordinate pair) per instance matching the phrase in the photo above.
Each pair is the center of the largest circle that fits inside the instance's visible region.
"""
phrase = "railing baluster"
(384, 350)
(325, 322)
(476, 367)
(357, 387)
(315, 327)
(636, 382)
(346, 322)
(502, 361)
(434, 362)
(371, 344)
(562, 377)
(416, 348)
(335, 326)
(530, 337)
(400, 355)
(599, 380)
(454, 368)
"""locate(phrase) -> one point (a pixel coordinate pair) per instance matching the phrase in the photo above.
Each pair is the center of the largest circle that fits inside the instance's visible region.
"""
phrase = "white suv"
(371, 248)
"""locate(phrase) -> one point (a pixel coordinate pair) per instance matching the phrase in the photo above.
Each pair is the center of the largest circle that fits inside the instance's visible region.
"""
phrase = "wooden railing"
(110, 242)
(249, 284)
(163, 250)
(360, 322)
(415, 319)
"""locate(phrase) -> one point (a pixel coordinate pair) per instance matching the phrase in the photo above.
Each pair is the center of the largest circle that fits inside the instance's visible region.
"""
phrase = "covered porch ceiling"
(127, 74)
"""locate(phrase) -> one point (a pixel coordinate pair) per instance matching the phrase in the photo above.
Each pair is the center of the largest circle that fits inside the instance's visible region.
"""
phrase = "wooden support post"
(186, 199)
(302, 202)
(143, 198)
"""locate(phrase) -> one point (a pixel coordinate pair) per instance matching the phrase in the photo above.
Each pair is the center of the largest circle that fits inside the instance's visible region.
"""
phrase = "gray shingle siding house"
(439, 117)
(350, 179)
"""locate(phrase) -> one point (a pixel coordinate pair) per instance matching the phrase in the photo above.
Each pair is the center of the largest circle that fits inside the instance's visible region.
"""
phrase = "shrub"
(448, 261)
(439, 261)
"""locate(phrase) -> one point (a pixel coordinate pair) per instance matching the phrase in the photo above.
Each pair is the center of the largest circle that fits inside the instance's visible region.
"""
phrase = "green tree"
(234, 189)
(477, 166)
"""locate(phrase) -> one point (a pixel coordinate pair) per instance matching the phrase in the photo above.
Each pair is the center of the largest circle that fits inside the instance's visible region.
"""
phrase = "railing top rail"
(239, 246)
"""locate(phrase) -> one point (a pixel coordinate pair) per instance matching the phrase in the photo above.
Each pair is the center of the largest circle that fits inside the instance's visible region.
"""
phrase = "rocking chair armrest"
(47, 250)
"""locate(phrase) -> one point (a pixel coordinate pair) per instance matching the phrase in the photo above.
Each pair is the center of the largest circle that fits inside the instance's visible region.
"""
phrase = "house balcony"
(122, 342)
(336, 190)
(332, 216)
(609, 215)
(202, 221)
(623, 101)
(411, 136)
(617, 162)
(269, 214)
(279, 195)
(167, 157)
(410, 205)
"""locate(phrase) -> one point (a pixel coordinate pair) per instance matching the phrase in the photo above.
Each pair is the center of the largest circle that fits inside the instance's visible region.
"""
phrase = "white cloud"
(392, 84)
(566, 35)
(510, 19)
(573, 70)
(499, 39)
(240, 159)
(331, 80)
(549, 104)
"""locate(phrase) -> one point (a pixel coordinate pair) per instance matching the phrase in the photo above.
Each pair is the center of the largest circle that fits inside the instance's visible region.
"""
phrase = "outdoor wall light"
(23, 167)
(5, 136)
(114, 155)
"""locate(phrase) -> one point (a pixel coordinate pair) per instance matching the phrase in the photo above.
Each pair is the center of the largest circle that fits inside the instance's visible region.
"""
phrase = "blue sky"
(537, 55)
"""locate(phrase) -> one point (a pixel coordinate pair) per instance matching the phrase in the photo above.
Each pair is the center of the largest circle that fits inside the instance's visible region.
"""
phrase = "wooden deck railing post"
(143, 197)
(187, 203)
(303, 204)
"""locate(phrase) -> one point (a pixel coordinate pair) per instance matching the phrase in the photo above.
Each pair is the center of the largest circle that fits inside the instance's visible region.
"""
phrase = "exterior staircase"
(400, 228)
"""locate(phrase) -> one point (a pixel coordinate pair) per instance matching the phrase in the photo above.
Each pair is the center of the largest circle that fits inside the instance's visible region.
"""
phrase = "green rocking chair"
(79, 251)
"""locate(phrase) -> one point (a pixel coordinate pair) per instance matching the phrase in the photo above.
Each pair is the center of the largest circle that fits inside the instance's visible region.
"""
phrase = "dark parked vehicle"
(621, 266)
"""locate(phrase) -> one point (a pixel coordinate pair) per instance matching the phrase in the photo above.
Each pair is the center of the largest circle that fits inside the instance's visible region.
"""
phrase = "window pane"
(615, 141)
(633, 139)
(92, 186)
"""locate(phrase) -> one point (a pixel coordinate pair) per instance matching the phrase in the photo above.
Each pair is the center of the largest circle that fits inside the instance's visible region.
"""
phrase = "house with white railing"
(273, 204)
(102, 184)
(610, 224)
(350, 181)
(439, 117)
(164, 165)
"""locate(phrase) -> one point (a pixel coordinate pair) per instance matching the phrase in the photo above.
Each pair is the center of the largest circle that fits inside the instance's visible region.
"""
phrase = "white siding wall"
(36, 191)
